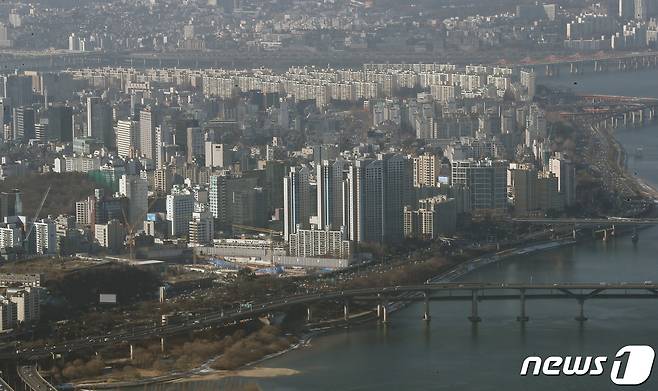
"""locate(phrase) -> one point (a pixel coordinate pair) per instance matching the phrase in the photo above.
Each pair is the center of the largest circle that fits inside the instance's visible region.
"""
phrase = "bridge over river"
(382, 300)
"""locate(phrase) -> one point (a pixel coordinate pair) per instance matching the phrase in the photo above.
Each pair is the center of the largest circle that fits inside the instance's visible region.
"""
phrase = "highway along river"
(450, 354)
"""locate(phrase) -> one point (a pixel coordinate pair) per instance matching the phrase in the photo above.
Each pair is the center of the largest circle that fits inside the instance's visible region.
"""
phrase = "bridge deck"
(433, 292)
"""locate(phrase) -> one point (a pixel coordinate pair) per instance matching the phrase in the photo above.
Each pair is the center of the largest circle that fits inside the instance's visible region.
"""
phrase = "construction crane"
(36, 216)
(130, 239)
(271, 233)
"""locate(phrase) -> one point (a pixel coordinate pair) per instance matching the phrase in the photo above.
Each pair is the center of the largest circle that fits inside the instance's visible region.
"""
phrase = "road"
(438, 291)
(33, 379)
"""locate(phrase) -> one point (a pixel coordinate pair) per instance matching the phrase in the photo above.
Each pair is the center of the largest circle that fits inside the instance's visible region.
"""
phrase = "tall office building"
(24, 123)
(274, 173)
(548, 197)
(60, 123)
(18, 89)
(135, 188)
(296, 200)
(194, 144)
(218, 195)
(247, 206)
(237, 200)
(565, 171)
(486, 181)
(147, 124)
(11, 204)
(99, 121)
(179, 213)
(330, 179)
(127, 138)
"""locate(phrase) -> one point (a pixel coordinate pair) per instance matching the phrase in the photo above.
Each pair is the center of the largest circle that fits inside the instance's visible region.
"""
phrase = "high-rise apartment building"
(127, 138)
(296, 200)
(147, 124)
(486, 181)
(45, 234)
(565, 171)
(135, 188)
(426, 170)
(99, 121)
(330, 177)
(23, 123)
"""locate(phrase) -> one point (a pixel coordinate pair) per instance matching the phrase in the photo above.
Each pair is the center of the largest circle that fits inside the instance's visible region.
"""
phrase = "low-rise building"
(319, 242)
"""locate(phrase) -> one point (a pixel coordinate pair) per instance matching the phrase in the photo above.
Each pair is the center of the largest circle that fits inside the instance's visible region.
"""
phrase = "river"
(450, 353)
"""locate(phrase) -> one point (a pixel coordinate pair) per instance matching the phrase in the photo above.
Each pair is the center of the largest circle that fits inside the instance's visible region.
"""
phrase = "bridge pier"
(523, 317)
(475, 318)
(581, 314)
(426, 315)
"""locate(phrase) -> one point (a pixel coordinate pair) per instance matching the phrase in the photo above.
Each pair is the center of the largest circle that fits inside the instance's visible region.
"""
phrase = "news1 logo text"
(631, 366)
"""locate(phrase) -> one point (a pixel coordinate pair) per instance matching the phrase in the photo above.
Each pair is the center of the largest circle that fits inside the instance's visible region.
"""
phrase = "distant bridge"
(587, 221)
(598, 98)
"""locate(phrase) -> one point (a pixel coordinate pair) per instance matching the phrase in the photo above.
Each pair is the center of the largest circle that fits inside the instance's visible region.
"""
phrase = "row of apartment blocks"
(19, 299)
(310, 83)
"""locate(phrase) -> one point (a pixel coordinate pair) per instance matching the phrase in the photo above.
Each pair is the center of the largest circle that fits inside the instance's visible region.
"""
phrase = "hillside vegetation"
(66, 189)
